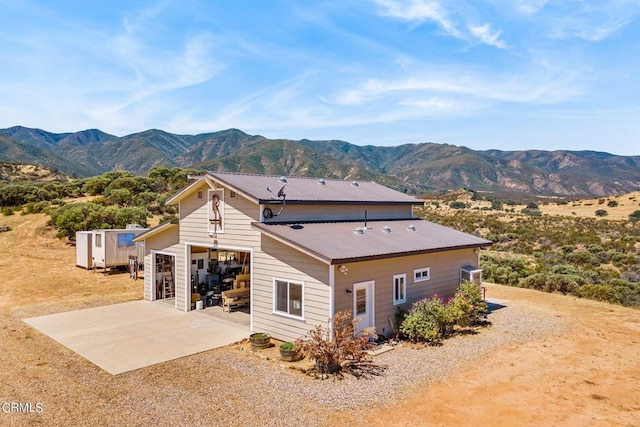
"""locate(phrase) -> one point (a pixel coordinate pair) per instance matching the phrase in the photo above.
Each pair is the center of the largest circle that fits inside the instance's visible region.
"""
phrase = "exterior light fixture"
(343, 269)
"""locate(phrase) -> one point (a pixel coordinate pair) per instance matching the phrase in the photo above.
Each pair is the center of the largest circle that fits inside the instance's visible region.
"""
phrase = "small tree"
(601, 212)
(336, 344)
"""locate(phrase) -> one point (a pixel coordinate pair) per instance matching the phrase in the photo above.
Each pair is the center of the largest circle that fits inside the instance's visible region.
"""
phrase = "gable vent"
(232, 194)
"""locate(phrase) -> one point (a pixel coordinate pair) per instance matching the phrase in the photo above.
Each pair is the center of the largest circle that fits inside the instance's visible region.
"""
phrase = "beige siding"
(445, 278)
(319, 212)
(276, 260)
(238, 215)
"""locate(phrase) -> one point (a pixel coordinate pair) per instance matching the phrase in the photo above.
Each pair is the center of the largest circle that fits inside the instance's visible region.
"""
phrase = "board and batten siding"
(338, 212)
(444, 280)
(276, 260)
(167, 243)
(238, 214)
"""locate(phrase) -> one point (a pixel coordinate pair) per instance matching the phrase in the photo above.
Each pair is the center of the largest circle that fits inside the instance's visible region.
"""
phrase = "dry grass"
(586, 208)
(590, 376)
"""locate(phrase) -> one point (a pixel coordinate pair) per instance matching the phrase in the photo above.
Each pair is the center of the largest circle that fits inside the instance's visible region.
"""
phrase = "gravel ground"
(230, 386)
(284, 396)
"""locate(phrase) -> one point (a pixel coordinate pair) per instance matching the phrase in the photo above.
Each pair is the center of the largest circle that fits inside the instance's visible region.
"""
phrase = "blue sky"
(509, 75)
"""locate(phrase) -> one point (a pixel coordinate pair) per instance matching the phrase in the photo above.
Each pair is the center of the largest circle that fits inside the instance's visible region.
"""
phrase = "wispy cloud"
(418, 11)
(487, 36)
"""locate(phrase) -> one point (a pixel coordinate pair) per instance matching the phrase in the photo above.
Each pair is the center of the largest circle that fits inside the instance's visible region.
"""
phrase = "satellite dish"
(281, 192)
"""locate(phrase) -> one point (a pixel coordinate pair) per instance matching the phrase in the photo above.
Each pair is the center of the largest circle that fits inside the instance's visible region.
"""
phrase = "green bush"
(563, 283)
(419, 328)
(599, 293)
(467, 305)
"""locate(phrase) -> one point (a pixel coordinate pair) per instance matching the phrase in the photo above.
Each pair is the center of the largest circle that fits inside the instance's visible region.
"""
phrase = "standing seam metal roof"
(264, 188)
(341, 242)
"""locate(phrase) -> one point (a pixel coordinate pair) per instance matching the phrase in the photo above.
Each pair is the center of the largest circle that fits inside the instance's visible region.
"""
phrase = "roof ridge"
(290, 176)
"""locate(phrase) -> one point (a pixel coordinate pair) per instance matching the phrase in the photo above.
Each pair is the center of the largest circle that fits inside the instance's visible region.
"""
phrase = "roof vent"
(386, 229)
(354, 183)
(297, 227)
(411, 227)
(282, 179)
(358, 231)
(322, 182)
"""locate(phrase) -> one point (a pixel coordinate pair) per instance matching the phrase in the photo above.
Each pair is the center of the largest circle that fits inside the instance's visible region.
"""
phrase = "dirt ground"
(587, 377)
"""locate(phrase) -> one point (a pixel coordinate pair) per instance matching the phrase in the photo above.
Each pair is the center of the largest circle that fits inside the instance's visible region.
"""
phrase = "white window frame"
(275, 298)
(220, 194)
(396, 299)
(421, 271)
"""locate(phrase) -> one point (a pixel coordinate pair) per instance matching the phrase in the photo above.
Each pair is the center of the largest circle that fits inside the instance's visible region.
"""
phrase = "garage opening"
(165, 276)
(220, 278)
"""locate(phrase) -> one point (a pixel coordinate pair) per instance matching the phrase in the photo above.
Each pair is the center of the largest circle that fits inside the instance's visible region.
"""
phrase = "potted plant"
(260, 340)
(289, 352)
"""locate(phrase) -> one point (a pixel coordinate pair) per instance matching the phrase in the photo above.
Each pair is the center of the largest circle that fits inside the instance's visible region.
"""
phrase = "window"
(399, 289)
(98, 240)
(200, 264)
(421, 274)
(125, 239)
(232, 194)
(199, 194)
(287, 298)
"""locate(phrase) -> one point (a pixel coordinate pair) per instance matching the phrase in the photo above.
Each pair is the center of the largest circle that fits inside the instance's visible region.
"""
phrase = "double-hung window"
(399, 289)
(288, 298)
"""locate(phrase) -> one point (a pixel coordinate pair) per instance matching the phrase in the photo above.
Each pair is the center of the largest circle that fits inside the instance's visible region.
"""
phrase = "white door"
(363, 304)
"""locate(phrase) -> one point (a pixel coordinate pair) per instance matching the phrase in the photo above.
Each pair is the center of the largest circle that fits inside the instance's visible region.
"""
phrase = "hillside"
(412, 168)
(13, 172)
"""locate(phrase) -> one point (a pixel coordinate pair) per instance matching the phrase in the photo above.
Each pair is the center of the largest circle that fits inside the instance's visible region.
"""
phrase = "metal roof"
(264, 188)
(157, 229)
(342, 242)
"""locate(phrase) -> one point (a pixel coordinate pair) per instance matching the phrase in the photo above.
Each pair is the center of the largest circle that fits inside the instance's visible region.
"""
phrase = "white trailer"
(109, 247)
(84, 243)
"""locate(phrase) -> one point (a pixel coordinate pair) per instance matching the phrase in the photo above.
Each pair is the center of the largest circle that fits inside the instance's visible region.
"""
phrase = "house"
(310, 247)
(108, 248)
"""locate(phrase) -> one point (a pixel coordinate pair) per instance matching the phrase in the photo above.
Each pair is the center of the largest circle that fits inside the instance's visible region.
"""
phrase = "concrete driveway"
(123, 337)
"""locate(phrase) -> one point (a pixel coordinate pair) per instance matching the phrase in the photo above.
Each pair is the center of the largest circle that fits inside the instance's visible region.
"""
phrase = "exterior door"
(363, 299)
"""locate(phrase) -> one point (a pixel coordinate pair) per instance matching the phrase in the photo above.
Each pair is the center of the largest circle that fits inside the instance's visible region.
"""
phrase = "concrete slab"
(132, 335)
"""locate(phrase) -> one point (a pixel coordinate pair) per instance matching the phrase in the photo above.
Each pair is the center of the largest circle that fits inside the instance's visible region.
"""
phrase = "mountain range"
(412, 168)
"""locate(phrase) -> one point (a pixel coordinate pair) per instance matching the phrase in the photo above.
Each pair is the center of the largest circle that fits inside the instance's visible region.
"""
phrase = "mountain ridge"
(412, 168)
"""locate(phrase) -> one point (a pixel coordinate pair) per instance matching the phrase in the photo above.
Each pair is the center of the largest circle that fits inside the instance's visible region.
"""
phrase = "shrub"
(601, 212)
(457, 205)
(429, 320)
(612, 204)
(337, 343)
(599, 293)
(563, 283)
(635, 216)
(419, 328)
(467, 305)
